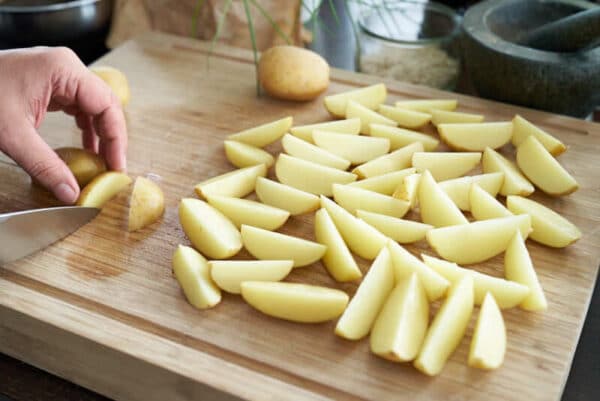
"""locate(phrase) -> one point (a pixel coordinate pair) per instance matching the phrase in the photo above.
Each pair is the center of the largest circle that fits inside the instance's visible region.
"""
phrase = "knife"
(23, 233)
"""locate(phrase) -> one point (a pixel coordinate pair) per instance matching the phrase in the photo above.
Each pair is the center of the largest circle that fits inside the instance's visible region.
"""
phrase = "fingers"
(86, 124)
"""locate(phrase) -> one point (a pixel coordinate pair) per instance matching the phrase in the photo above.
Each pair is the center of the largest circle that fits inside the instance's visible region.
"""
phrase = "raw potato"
(237, 183)
(370, 97)
(427, 105)
(242, 155)
(523, 128)
(476, 136)
(103, 188)
(355, 148)
(400, 137)
(515, 183)
(230, 274)
(452, 117)
(384, 184)
(209, 231)
(446, 165)
(352, 198)
(244, 211)
(269, 245)
(116, 80)
(458, 188)
(367, 116)
(84, 164)
(146, 205)
(437, 209)
(397, 160)
(307, 151)
(264, 134)
(359, 316)
(295, 302)
(484, 206)
(293, 73)
(408, 189)
(404, 117)
(400, 328)
(402, 231)
(285, 197)
(350, 126)
(488, 344)
(193, 274)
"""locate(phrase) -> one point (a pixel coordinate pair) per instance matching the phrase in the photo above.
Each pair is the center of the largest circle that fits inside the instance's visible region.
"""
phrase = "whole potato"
(116, 80)
(83, 164)
(293, 73)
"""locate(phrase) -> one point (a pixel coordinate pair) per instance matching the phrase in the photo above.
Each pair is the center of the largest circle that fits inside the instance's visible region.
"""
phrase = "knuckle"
(45, 170)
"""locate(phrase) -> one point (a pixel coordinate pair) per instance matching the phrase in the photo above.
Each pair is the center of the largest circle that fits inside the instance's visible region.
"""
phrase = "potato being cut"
(523, 128)
(400, 137)
(146, 204)
(508, 293)
(193, 274)
(400, 230)
(476, 136)
(458, 188)
(117, 81)
(384, 184)
(400, 328)
(242, 155)
(429, 104)
(453, 117)
(549, 227)
(447, 328)
(367, 116)
(301, 303)
(338, 260)
(543, 170)
(303, 150)
(370, 97)
(228, 275)
(263, 134)
(514, 183)
(355, 148)
(406, 264)
(397, 160)
(518, 267)
(435, 205)
(404, 117)
(308, 176)
(244, 211)
(84, 164)
(484, 206)
(269, 245)
(237, 183)
(361, 238)
(478, 241)
(350, 126)
(446, 165)
(488, 344)
(408, 189)
(103, 188)
(359, 316)
(285, 197)
(352, 198)
(208, 229)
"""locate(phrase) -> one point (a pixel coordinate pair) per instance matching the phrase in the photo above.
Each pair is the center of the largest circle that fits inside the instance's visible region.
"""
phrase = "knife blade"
(23, 233)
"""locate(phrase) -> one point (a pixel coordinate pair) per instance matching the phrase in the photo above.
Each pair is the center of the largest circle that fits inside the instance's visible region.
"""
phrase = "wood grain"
(102, 309)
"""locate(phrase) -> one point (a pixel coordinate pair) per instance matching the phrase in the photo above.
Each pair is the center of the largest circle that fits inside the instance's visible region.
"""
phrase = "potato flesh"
(285, 197)
(446, 165)
(408, 190)
(400, 137)
(117, 81)
(237, 183)
(146, 205)
(355, 148)
(367, 117)
(436, 207)
(370, 97)
(458, 188)
(228, 275)
(400, 230)
(476, 136)
(523, 128)
(488, 344)
(307, 151)
(193, 274)
(103, 188)
(352, 199)
(429, 104)
(404, 117)
(384, 184)
(244, 211)
(514, 183)
(350, 126)
(452, 117)
(399, 159)
(243, 155)
(264, 134)
(484, 206)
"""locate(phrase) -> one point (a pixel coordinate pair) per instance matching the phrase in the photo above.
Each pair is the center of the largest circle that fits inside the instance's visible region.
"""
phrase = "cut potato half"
(228, 275)
(285, 197)
(146, 204)
(269, 245)
(400, 137)
(404, 117)
(446, 165)
(355, 148)
(488, 344)
(367, 117)
(475, 136)
(264, 134)
(352, 198)
(103, 188)
(458, 188)
(408, 190)
(453, 117)
(303, 150)
(370, 97)
(514, 183)
(193, 274)
(308, 176)
(429, 104)
(244, 211)
(350, 126)
(242, 155)
(237, 183)
(400, 230)
(523, 128)
(84, 164)
(397, 160)
(436, 207)
(384, 184)
(484, 206)
(301, 303)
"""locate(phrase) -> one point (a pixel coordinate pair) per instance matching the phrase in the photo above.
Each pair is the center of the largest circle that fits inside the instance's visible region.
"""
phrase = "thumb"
(30, 151)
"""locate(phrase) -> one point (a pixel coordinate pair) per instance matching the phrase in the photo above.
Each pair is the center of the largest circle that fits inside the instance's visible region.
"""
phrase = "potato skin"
(117, 81)
(84, 164)
(293, 73)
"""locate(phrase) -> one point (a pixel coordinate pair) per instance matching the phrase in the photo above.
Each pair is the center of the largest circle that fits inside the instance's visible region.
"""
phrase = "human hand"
(36, 80)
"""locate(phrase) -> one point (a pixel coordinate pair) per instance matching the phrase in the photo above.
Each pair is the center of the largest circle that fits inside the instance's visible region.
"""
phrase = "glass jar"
(410, 41)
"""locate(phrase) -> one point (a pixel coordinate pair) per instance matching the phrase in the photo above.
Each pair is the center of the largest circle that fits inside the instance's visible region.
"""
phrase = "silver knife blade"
(23, 233)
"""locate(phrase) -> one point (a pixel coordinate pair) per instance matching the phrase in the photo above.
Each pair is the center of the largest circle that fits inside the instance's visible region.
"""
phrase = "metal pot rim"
(46, 8)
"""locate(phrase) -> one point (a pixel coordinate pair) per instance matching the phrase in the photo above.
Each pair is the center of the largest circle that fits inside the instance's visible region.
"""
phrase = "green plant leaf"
(253, 39)
(196, 17)
(272, 22)
(334, 12)
(220, 24)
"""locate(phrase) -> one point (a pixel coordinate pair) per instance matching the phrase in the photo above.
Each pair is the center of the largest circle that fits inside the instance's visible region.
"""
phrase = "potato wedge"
(285, 197)
(523, 128)
(397, 160)
(484, 206)
(237, 183)
(243, 155)
(244, 211)
(400, 137)
(436, 207)
(103, 188)
(514, 183)
(370, 97)
(264, 134)
(229, 275)
(428, 104)
(488, 344)
(384, 184)
(400, 230)
(404, 117)
(193, 274)
(453, 117)
(408, 190)
(352, 198)
(446, 165)
(303, 150)
(350, 126)
(476, 136)
(146, 204)
(458, 188)
(367, 116)
(355, 148)
(84, 164)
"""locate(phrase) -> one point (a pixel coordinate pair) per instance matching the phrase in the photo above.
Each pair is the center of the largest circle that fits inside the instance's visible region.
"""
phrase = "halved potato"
(488, 344)
(435, 205)
(397, 160)
(117, 81)
(478, 241)
(355, 148)
(446, 165)
(146, 204)
(301, 303)
(453, 117)
(228, 275)
(549, 227)
(303, 150)
(476, 136)
(408, 190)
(84, 165)
(370, 97)
(237, 183)
(352, 198)
(458, 188)
(208, 229)
(384, 184)
(428, 104)
(244, 211)
(404, 117)
(367, 116)
(514, 183)
(269, 245)
(350, 126)
(400, 137)
(243, 155)
(484, 206)
(285, 197)
(400, 230)
(103, 188)
(543, 170)
(193, 274)
(523, 128)
(359, 316)
(263, 134)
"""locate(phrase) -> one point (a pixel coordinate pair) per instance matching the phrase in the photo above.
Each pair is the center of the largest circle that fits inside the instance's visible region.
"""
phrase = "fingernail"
(65, 193)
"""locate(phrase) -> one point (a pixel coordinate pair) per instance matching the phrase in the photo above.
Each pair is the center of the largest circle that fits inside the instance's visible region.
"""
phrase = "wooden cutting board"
(102, 309)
